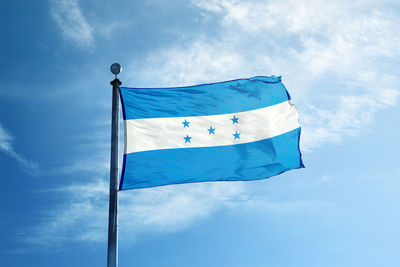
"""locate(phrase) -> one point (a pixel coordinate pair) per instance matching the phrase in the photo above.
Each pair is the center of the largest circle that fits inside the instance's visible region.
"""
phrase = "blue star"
(187, 139)
(185, 123)
(211, 130)
(236, 135)
(235, 120)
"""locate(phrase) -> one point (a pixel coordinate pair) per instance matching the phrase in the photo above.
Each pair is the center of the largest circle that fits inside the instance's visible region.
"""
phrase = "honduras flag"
(238, 130)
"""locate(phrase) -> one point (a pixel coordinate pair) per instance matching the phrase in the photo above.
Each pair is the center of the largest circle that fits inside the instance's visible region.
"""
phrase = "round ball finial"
(116, 69)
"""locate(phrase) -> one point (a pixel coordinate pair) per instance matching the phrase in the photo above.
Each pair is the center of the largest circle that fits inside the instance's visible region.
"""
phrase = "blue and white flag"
(238, 130)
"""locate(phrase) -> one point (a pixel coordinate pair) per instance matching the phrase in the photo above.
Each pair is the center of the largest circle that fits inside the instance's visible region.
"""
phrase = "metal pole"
(112, 256)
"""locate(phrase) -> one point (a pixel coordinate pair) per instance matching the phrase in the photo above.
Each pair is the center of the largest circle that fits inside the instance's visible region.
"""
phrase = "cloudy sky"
(338, 59)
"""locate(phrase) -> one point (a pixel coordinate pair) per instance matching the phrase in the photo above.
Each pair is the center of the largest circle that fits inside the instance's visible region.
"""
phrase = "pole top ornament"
(116, 69)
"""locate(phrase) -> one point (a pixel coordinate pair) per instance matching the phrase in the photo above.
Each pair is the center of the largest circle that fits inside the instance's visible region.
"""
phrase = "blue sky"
(338, 59)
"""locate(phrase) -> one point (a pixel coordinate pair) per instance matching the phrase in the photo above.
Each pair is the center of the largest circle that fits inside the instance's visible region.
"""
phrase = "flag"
(245, 129)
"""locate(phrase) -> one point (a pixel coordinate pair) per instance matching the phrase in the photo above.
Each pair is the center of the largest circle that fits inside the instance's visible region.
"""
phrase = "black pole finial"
(116, 69)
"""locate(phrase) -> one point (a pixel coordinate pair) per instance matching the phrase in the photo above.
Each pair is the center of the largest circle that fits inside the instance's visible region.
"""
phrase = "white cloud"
(351, 114)
(68, 16)
(82, 217)
(5, 139)
(94, 165)
(170, 208)
(6, 145)
(166, 209)
(201, 61)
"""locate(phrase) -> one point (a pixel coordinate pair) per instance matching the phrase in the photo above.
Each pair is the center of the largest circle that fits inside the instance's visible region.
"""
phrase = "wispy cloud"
(352, 114)
(172, 208)
(82, 217)
(203, 60)
(166, 209)
(6, 146)
(74, 26)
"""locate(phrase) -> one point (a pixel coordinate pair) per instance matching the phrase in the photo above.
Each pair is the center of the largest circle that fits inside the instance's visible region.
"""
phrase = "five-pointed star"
(211, 130)
(236, 135)
(235, 120)
(187, 139)
(185, 123)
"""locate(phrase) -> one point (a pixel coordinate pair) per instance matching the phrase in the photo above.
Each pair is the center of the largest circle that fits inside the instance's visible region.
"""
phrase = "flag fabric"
(245, 129)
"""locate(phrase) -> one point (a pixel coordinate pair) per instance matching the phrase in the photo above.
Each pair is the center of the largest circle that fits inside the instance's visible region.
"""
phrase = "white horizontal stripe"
(166, 133)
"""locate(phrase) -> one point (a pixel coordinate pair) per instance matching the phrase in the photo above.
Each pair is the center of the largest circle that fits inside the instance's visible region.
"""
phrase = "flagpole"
(112, 256)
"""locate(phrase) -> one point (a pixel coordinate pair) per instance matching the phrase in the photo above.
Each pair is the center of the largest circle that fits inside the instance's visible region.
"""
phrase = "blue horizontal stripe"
(242, 162)
(200, 100)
